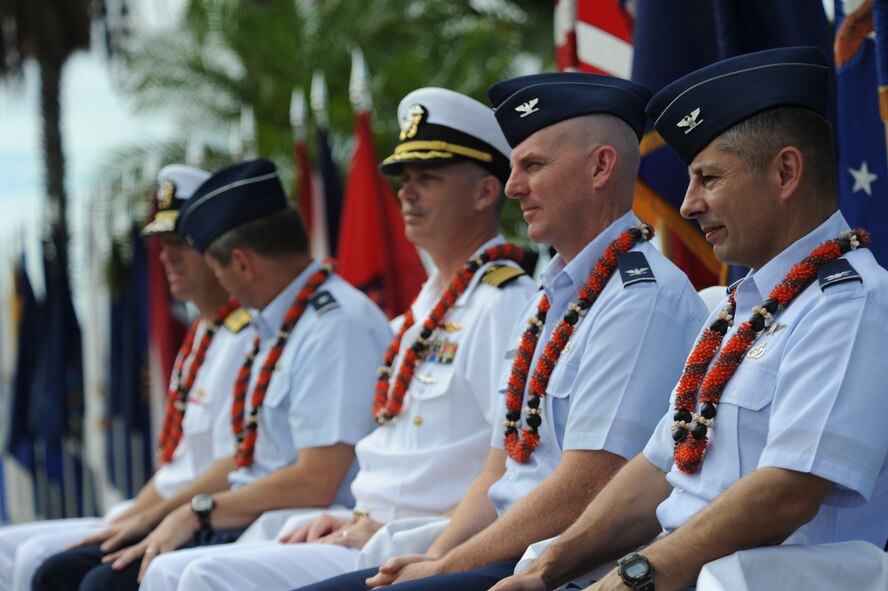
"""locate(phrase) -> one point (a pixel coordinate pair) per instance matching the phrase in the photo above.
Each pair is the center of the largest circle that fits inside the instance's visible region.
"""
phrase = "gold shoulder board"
(237, 320)
(500, 275)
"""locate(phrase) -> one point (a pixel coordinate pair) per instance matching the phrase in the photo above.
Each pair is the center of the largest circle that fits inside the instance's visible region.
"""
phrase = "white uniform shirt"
(321, 392)
(611, 385)
(409, 469)
(811, 399)
(206, 428)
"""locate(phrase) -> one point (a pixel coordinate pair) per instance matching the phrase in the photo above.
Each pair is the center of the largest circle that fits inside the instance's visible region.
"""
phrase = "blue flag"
(332, 188)
(127, 384)
(860, 133)
(677, 37)
(55, 414)
(19, 439)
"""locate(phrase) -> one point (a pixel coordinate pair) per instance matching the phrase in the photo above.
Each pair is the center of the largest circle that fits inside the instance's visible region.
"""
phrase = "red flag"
(374, 255)
(593, 37)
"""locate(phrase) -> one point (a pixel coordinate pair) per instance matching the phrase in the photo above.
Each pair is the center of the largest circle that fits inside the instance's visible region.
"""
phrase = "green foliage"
(228, 53)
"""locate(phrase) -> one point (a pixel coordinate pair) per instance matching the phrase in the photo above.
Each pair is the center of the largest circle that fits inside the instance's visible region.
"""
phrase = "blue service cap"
(526, 104)
(695, 109)
(233, 196)
(439, 125)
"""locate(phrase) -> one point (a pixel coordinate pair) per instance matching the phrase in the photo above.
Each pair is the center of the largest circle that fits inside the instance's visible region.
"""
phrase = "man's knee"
(59, 570)
(104, 578)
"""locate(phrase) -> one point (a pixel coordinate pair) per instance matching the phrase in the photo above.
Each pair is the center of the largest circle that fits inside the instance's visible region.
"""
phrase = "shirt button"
(511, 477)
(680, 490)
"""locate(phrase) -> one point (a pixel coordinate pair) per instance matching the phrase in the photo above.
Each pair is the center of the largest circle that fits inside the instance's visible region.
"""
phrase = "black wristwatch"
(203, 505)
(636, 572)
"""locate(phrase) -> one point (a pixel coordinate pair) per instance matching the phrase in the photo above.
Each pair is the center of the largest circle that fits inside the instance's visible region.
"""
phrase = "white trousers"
(849, 565)
(272, 566)
(24, 547)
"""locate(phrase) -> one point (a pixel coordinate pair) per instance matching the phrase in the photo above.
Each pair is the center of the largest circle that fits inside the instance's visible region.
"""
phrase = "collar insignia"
(528, 108)
(776, 327)
(411, 121)
(690, 121)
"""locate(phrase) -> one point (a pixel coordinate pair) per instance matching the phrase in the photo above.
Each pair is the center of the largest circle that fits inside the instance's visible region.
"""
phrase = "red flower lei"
(388, 406)
(246, 434)
(520, 448)
(690, 428)
(177, 396)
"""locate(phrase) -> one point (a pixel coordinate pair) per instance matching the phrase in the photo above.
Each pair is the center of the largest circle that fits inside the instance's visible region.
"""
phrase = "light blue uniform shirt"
(321, 392)
(811, 399)
(611, 384)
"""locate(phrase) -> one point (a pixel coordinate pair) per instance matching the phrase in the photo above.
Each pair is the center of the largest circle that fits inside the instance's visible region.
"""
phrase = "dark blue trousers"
(81, 569)
(480, 579)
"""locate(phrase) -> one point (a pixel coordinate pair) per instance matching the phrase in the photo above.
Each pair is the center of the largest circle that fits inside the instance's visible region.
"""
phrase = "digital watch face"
(635, 569)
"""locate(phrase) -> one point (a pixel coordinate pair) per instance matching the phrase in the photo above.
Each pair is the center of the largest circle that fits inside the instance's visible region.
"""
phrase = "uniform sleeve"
(632, 359)
(829, 414)
(333, 391)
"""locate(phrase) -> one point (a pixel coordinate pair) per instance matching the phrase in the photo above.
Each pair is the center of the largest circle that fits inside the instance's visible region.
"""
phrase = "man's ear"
(602, 163)
(786, 171)
(244, 262)
(487, 192)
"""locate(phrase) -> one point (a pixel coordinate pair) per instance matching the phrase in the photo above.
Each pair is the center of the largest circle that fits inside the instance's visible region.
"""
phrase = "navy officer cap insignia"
(695, 109)
(233, 196)
(527, 104)
(440, 125)
(175, 184)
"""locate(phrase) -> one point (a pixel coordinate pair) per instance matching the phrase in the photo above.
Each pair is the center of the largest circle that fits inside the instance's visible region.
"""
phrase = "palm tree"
(49, 32)
(229, 53)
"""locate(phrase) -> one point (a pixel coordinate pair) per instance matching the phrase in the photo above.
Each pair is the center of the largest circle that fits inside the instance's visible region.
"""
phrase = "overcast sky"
(95, 121)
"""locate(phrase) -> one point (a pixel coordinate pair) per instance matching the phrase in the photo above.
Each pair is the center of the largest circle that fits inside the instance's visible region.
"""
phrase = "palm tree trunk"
(53, 156)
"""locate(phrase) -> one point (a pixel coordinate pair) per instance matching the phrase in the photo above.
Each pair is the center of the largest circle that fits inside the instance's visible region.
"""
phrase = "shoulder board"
(237, 320)
(501, 275)
(837, 271)
(634, 268)
(323, 302)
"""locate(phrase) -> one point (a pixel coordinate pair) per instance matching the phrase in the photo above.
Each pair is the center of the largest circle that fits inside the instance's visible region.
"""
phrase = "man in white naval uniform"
(620, 319)
(205, 437)
(300, 401)
(419, 461)
(777, 432)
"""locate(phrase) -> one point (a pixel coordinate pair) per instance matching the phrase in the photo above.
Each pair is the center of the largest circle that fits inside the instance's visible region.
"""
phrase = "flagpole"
(318, 98)
(248, 131)
(359, 84)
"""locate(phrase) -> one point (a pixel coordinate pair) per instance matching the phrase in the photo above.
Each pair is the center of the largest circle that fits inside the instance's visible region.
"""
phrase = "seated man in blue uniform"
(777, 432)
(593, 366)
(300, 401)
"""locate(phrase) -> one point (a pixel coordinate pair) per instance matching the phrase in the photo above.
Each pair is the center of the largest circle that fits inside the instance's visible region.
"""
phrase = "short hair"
(279, 234)
(613, 131)
(474, 172)
(757, 140)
